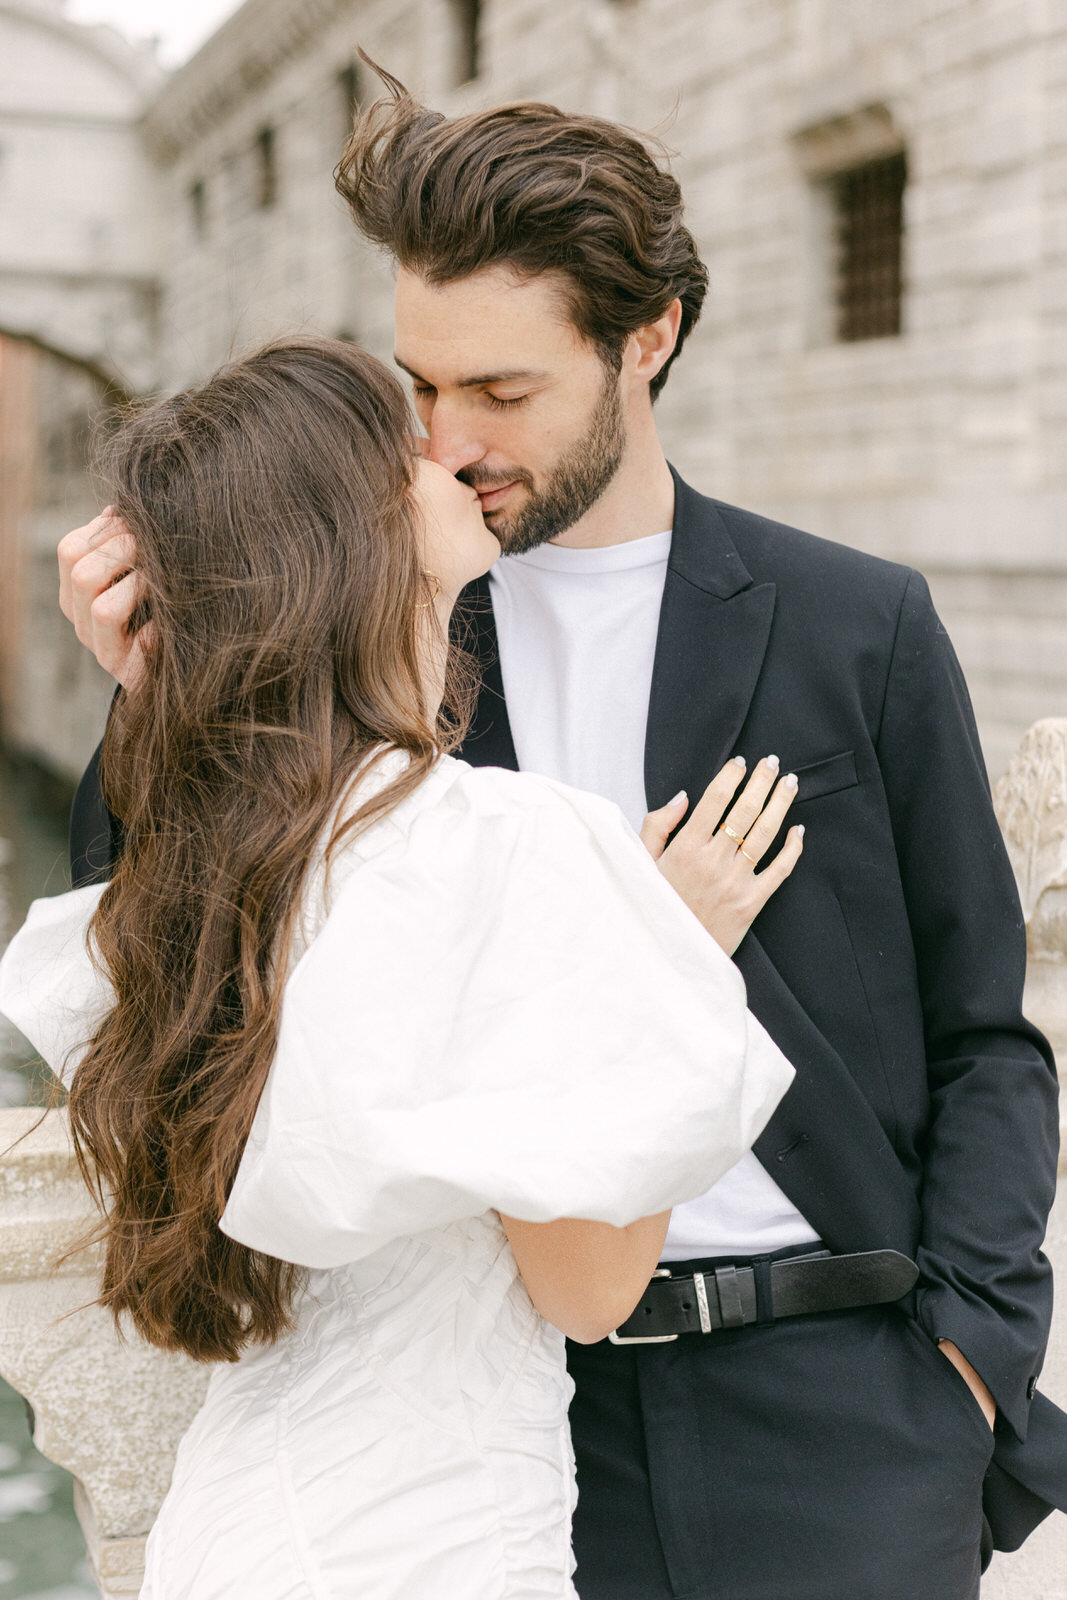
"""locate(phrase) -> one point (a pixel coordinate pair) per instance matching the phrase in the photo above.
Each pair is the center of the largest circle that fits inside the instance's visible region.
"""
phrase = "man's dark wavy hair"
(534, 188)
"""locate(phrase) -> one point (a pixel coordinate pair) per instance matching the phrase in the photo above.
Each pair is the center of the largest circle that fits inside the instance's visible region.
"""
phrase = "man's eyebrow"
(505, 375)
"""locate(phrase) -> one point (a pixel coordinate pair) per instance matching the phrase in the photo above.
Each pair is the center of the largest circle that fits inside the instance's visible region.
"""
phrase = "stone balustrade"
(111, 1410)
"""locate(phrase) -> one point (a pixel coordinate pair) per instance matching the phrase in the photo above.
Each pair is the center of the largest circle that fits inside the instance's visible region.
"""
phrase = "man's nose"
(453, 444)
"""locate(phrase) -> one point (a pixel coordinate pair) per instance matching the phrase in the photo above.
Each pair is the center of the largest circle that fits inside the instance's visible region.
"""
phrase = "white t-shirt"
(577, 635)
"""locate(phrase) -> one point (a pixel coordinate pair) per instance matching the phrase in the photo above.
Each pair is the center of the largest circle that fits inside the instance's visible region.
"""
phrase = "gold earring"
(422, 604)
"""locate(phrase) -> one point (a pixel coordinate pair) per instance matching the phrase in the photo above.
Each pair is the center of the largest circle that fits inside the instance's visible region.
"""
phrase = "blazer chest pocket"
(826, 777)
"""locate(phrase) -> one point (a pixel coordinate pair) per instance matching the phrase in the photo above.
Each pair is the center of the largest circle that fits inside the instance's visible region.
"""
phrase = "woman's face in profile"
(457, 546)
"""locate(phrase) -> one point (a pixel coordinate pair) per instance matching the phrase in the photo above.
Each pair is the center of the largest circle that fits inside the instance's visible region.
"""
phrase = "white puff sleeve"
(49, 987)
(507, 1007)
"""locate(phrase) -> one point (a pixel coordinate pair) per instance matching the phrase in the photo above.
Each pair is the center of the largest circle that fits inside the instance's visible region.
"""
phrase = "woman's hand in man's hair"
(712, 860)
(100, 591)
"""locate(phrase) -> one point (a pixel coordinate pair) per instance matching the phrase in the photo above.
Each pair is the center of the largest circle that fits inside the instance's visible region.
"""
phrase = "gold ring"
(754, 859)
(738, 838)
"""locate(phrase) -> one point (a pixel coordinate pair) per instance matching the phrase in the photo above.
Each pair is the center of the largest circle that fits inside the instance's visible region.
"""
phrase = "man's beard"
(575, 484)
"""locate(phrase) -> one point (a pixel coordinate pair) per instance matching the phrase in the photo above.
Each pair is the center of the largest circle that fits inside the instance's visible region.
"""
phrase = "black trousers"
(824, 1457)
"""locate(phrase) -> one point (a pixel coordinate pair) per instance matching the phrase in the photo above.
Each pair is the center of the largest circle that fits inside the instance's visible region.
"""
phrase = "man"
(780, 1418)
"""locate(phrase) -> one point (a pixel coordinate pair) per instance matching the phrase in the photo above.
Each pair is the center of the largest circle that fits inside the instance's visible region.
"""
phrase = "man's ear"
(650, 348)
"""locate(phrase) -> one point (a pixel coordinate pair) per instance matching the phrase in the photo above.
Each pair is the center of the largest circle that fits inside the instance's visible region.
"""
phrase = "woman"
(398, 1023)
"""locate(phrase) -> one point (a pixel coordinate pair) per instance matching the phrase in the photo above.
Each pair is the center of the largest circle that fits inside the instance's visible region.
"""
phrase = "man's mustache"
(481, 481)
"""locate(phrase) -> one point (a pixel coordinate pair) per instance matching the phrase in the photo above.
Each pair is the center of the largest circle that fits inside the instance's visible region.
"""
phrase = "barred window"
(350, 89)
(467, 22)
(198, 208)
(869, 239)
(267, 160)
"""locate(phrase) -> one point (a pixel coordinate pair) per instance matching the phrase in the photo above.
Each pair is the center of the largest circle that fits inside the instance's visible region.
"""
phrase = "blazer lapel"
(488, 742)
(713, 630)
(713, 634)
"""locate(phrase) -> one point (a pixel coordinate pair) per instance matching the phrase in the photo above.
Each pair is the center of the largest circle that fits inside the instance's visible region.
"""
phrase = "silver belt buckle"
(653, 1338)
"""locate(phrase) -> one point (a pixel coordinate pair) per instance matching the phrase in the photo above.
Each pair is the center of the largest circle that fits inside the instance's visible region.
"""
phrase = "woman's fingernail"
(800, 829)
(681, 795)
(790, 780)
(739, 761)
(772, 762)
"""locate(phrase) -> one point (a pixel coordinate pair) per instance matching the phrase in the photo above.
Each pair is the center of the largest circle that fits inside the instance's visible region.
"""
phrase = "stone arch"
(78, 270)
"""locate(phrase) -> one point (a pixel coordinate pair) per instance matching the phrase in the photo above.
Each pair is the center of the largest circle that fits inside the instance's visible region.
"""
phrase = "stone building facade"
(938, 442)
(79, 293)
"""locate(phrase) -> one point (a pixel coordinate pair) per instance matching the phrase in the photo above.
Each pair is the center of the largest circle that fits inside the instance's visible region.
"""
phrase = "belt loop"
(702, 1302)
(761, 1272)
(730, 1307)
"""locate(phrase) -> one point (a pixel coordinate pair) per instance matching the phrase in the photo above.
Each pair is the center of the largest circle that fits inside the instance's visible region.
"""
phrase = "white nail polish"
(739, 761)
(772, 762)
(681, 795)
(790, 780)
(800, 829)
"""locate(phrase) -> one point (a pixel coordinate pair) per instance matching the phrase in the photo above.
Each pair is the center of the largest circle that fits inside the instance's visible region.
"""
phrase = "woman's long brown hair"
(275, 531)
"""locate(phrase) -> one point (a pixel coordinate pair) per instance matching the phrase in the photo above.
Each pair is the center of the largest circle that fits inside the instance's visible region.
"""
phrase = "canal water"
(42, 1554)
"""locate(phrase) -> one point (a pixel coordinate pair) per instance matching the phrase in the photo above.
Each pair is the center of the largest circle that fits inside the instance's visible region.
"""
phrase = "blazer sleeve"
(95, 834)
(990, 1168)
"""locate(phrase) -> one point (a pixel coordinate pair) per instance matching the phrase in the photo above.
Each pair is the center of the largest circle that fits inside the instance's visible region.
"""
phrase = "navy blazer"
(889, 968)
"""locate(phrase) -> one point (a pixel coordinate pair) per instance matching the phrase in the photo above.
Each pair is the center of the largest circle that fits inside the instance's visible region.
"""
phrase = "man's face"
(515, 402)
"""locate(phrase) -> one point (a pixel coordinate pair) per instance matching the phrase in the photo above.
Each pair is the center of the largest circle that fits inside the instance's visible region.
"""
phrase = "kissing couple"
(477, 1061)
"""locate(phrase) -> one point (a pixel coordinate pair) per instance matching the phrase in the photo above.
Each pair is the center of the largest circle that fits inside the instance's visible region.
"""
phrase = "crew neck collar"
(652, 550)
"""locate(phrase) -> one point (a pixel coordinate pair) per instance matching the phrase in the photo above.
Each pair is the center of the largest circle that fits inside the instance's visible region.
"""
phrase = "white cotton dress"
(498, 1004)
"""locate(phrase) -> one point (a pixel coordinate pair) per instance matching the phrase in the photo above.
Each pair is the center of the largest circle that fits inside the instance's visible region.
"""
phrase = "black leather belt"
(735, 1297)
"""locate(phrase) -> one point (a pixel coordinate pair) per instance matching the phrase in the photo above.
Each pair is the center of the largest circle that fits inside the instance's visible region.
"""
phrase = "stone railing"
(112, 1411)
(108, 1410)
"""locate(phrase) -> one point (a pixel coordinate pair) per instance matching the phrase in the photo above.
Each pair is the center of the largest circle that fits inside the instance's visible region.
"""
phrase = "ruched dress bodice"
(408, 1438)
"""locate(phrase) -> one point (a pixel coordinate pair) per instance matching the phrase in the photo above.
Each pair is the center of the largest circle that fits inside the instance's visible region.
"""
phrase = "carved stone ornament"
(1031, 803)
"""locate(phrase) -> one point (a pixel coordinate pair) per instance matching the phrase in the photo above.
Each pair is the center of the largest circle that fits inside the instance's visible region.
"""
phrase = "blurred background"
(880, 192)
